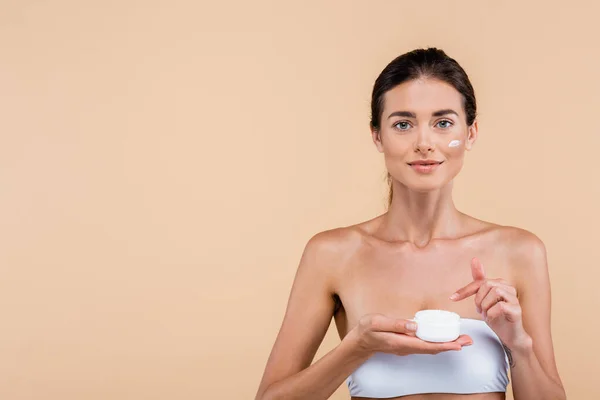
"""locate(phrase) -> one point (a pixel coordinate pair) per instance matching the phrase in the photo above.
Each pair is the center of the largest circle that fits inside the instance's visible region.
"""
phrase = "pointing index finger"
(477, 269)
(466, 291)
(478, 277)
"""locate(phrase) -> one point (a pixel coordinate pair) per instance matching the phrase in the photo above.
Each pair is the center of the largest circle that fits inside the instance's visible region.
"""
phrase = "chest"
(400, 282)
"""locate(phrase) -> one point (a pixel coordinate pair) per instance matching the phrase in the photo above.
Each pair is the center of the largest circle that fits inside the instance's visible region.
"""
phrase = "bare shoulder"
(334, 245)
(325, 256)
(521, 245)
(518, 247)
(516, 243)
(526, 256)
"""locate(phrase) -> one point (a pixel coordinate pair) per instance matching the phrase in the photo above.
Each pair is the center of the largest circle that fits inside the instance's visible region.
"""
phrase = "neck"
(419, 217)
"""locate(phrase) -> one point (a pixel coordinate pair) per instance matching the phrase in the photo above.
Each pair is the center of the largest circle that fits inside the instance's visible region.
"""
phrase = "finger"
(487, 286)
(466, 291)
(496, 295)
(477, 269)
(490, 286)
(464, 340)
(482, 293)
(495, 312)
(478, 276)
(403, 344)
(381, 323)
(418, 346)
(437, 348)
(512, 312)
(422, 347)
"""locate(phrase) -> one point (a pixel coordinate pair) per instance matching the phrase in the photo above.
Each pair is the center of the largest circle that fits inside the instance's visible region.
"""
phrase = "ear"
(376, 135)
(473, 133)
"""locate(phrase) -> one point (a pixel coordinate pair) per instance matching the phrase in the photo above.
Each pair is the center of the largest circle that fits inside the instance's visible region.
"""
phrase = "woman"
(421, 254)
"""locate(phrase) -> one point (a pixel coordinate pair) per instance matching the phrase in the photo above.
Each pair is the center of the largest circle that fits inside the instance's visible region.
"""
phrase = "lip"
(422, 162)
(425, 166)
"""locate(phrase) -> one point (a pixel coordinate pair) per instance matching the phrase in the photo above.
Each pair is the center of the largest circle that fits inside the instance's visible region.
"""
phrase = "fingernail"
(478, 310)
(454, 296)
(468, 343)
(411, 326)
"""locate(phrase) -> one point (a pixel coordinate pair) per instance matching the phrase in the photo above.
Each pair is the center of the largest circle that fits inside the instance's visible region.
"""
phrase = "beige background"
(163, 163)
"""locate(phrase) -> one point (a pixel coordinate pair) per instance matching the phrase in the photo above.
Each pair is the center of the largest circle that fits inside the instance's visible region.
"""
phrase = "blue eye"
(447, 124)
(402, 125)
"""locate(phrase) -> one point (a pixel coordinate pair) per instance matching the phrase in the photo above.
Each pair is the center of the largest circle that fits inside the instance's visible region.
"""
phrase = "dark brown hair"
(421, 63)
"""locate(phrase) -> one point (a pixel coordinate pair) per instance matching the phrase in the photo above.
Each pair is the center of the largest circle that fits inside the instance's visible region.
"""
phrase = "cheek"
(396, 153)
(454, 152)
(397, 146)
(454, 160)
(454, 143)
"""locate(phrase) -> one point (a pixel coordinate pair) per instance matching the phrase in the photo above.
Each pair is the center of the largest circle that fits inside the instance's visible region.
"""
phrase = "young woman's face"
(424, 121)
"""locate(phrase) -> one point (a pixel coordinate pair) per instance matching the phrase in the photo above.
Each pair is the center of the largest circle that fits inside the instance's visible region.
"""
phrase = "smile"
(425, 166)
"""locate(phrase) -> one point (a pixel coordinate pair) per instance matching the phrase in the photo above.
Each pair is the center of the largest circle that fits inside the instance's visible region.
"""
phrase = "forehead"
(422, 96)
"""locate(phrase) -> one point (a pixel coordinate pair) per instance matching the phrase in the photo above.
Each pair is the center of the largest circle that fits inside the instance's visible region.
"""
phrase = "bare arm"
(521, 317)
(308, 315)
(533, 370)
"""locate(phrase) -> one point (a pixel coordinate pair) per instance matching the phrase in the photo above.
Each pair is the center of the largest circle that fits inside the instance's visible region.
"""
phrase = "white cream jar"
(437, 325)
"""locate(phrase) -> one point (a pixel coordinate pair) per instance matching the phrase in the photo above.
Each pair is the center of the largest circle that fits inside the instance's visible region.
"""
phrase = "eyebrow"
(444, 112)
(409, 114)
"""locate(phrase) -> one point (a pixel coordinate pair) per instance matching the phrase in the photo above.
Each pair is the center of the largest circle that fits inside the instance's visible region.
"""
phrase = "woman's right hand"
(378, 333)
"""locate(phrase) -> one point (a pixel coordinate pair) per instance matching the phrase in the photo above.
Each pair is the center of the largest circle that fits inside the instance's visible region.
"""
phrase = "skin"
(373, 276)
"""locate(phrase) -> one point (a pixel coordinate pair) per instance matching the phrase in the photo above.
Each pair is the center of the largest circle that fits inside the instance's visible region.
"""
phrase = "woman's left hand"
(496, 300)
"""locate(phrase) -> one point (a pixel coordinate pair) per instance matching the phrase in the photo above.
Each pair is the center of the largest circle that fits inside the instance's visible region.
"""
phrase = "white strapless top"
(479, 368)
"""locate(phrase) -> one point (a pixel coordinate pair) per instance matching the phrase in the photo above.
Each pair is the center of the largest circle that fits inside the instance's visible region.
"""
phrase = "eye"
(444, 124)
(402, 125)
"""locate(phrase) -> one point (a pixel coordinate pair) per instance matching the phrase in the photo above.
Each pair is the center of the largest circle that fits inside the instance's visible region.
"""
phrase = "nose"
(423, 142)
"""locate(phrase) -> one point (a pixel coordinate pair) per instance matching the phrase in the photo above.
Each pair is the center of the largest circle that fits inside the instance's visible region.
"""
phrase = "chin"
(426, 185)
